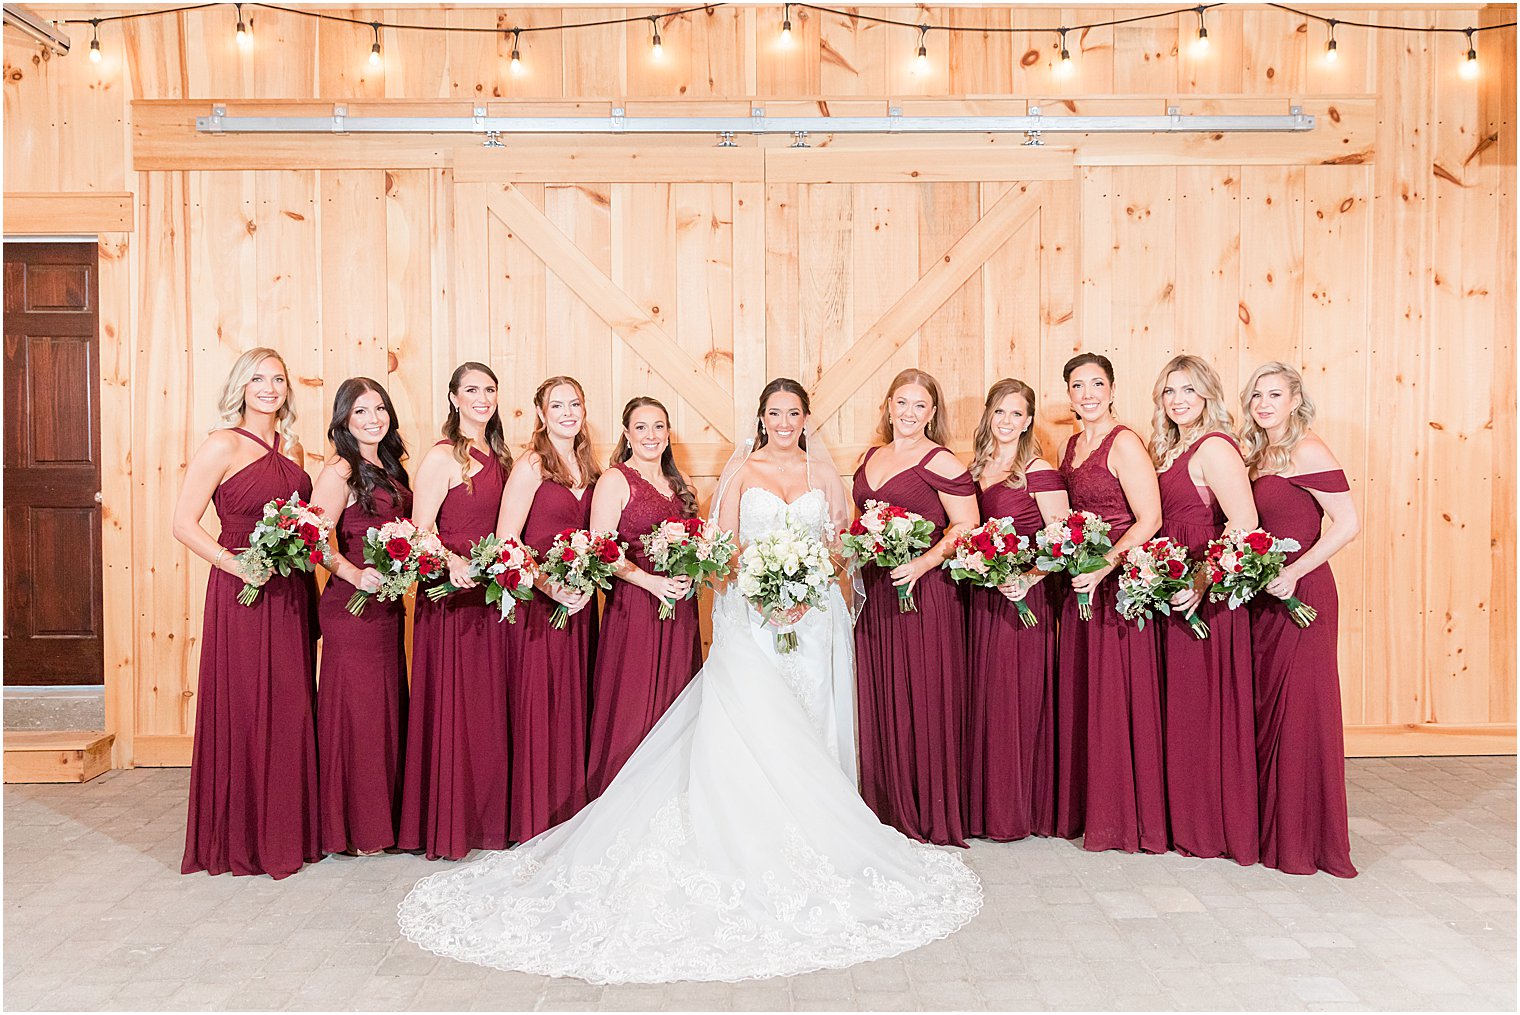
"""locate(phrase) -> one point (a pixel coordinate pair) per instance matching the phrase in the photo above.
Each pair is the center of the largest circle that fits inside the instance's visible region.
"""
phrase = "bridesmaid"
(910, 667)
(1111, 788)
(1300, 747)
(550, 669)
(361, 697)
(1210, 726)
(253, 774)
(454, 791)
(1012, 743)
(656, 658)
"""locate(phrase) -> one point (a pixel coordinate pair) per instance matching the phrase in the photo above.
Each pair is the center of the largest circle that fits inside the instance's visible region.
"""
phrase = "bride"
(733, 845)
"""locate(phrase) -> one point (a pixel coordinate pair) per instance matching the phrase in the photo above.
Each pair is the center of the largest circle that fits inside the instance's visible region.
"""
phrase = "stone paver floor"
(98, 917)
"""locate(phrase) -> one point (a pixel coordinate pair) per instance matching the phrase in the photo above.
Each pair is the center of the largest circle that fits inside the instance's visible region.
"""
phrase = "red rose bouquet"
(290, 536)
(507, 569)
(1149, 576)
(690, 548)
(404, 554)
(1076, 545)
(990, 556)
(580, 560)
(889, 536)
(1241, 564)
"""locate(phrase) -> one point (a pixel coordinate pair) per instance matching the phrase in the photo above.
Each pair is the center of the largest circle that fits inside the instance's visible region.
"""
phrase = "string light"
(516, 56)
(95, 42)
(1469, 68)
(1064, 67)
(786, 25)
(374, 50)
(243, 38)
(1201, 43)
(658, 51)
(1330, 53)
(922, 63)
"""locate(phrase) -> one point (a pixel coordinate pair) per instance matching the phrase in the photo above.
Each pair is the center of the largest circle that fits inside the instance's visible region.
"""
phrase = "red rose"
(398, 549)
(309, 533)
(279, 502)
(856, 529)
(1074, 530)
(1259, 541)
(316, 555)
(1176, 568)
(983, 545)
(608, 552)
(565, 534)
(427, 564)
(512, 579)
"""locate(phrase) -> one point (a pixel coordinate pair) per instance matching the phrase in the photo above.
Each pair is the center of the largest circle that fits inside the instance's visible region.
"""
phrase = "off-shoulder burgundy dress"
(361, 695)
(549, 683)
(1111, 785)
(1300, 742)
(1210, 712)
(253, 771)
(655, 659)
(1011, 761)
(911, 676)
(455, 781)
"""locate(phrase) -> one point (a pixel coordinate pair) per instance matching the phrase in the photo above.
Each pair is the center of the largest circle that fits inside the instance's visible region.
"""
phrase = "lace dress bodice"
(759, 515)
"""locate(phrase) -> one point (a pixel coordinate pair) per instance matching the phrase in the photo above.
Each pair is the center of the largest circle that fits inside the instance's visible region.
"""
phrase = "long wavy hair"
(1168, 439)
(1263, 456)
(495, 437)
(777, 385)
(232, 406)
(624, 451)
(984, 444)
(364, 477)
(1098, 360)
(550, 465)
(936, 428)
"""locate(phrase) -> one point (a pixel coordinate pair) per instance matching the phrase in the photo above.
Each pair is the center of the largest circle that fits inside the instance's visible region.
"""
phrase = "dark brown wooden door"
(52, 465)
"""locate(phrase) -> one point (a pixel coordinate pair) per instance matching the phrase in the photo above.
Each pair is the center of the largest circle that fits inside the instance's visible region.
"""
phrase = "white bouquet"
(782, 570)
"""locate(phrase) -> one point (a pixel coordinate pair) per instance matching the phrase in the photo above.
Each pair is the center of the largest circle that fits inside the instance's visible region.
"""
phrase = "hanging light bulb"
(1065, 67)
(786, 25)
(516, 56)
(658, 51)
(1330, 54)
(1201, 43)
(243, 38)
(922, 63)
(1469, 68)
(374, 50)
(95, 42)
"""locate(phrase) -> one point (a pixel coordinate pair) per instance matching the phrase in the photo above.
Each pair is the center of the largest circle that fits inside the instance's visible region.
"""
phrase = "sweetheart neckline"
(777, 496)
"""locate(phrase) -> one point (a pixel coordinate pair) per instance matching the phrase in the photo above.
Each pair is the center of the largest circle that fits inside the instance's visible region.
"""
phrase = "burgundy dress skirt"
(253, 772)
(455, 779)
(1210, 710)
(1011, 746)
(361, 696)
(656, 658)
(1111, 785)
(1300, 742)
(910, 671)
(547, 684)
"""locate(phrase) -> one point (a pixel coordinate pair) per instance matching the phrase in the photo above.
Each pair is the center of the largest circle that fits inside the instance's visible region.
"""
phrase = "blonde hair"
(936, 428)
(232, 406)
(984, 445)
(1263, 456)
(1167, 439)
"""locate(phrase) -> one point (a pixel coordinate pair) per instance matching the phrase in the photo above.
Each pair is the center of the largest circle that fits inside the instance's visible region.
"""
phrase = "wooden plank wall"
(1385, 270)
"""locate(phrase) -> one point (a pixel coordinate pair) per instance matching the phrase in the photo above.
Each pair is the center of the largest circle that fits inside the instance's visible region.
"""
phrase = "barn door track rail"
(725, 128)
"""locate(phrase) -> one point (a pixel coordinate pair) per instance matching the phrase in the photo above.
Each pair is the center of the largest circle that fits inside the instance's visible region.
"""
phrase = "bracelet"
(219, 555)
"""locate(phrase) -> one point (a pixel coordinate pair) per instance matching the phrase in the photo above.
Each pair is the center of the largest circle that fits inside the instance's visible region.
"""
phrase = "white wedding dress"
(733, 845)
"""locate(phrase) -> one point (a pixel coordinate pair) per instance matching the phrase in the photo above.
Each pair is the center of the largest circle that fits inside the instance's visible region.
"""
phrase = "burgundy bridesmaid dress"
(253, 774)
(656, 658)
(1300, 744)
(910, 674)
(361, 696)
(454, 786)
(1110, 784)
(1210, 711)
(1011, 767)
(547, 683)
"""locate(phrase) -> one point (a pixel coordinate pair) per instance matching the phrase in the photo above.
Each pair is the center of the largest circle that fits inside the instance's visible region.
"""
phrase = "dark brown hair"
(624, 451)
(363, 477)
(496, 439)
(777, 385)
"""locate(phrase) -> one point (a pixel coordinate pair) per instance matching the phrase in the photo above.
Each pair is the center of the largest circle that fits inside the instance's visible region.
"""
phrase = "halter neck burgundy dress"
(454, 787)
(1210, 711)
(253, 773)
(911, 676)
(1300, 743)
(1011, 748)
(361, 697)
(1111, 788)
(655, 659)
(548, 682)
